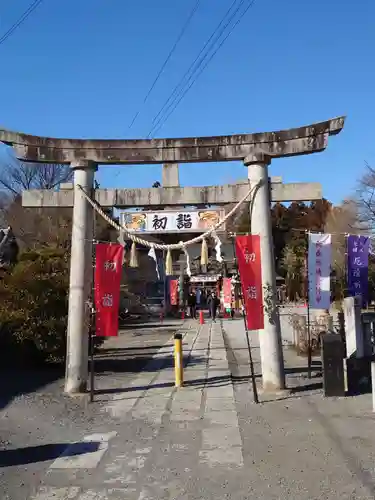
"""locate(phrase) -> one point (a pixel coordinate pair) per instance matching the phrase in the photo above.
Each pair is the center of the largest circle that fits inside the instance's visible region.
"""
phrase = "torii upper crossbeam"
(291, 142)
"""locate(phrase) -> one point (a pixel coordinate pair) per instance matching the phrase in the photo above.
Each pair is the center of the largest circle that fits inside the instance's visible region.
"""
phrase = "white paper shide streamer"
(121, 240)
(188, 270)
(319, 263)
(219, 257)
(152, 254)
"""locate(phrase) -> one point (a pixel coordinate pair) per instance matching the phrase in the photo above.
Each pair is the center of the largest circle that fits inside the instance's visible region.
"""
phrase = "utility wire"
(174, 47)
(18, 23)
(182, 94)
(198, 62)
(192, 64)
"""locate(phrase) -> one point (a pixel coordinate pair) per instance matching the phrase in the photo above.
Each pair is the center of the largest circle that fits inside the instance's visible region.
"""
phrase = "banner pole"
(346, 268)
(252, 372)
(92, 329)
(92, 367)
(309, 354)
(165, 292)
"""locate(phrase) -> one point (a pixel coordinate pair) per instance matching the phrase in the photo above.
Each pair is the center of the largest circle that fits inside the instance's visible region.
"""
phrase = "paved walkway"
(209, 440)
(161, 442)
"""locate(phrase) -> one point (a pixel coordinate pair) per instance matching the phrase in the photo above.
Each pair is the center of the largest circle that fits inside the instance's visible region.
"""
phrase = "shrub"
(34, 306)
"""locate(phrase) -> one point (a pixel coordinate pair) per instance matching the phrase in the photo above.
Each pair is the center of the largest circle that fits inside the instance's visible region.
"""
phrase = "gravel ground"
(37, 420)
(207, 440)
(299, 444)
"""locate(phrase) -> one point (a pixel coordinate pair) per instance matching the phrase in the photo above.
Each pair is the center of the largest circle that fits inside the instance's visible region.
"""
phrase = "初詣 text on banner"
(250, 268)
(319, 265)
(108, 271)
(358, 252)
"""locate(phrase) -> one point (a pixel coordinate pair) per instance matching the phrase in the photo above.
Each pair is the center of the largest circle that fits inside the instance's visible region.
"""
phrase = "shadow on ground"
(316, 367)
(44, 453)
(136, 363)
(298, 391)
(148, 326)
(124, 350)
(147, 351)
(138, 351)
(311, 386)
(219, 381)
(19, 382)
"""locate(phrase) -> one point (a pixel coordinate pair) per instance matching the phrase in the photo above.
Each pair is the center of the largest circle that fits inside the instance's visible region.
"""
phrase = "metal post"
(178, 360)
(165, 291)
(252, 372)
(373, 384)
(345, 291)
(76, 374)
(92, 366)
(309, 354)
(92, 329)
(271, 353)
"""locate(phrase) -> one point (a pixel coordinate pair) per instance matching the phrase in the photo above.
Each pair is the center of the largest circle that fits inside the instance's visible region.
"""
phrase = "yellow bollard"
(178, 360)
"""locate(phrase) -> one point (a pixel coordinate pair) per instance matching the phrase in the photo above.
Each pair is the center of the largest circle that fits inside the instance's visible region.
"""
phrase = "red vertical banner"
(173, 292)
(108, 272)
(227, 289)
(250, 268)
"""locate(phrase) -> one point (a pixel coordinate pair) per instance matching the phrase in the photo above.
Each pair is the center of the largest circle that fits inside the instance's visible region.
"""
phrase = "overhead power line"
(171, 52)
(191, 67)
(187, 81)
(199, 64)
(20, 20)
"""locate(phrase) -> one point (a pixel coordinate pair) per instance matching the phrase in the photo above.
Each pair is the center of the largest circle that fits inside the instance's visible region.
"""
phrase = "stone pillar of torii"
(255, 150)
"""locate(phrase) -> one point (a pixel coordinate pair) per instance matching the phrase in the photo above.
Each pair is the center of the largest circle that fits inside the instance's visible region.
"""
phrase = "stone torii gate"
(255, 150)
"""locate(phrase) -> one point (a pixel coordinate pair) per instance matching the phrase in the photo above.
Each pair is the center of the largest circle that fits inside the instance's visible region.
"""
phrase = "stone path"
(208, 440)
(165, 439)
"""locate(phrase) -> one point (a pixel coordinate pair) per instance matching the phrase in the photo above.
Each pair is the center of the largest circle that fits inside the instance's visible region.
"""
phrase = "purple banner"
(358, 251)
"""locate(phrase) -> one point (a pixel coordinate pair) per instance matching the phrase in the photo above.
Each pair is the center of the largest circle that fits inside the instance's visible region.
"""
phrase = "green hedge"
(34, 307)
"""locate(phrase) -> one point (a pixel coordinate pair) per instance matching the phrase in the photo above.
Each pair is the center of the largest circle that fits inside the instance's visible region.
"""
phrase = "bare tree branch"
(17, 176)
(365, 198)
(33, 227)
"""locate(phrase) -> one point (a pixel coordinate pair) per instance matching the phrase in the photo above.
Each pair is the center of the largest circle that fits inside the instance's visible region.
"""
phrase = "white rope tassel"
(133, 261)
(169, 263)
(152, 254)
(188, 270)
(219, 257)
(121, 240)
(204, 253)
(158, 246)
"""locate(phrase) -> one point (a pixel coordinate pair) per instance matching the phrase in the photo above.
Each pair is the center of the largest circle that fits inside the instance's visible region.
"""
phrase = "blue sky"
(82, 69)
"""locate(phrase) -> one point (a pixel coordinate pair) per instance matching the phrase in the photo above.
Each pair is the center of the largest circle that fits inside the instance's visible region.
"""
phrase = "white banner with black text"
(319, 266)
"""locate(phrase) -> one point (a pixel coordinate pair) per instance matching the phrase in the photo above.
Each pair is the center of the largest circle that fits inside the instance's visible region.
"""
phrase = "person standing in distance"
(213, 304)
(192, 302)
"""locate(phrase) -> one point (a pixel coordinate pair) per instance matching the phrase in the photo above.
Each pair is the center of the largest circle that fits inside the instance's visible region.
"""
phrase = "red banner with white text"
(227, 293)
(250, 268)
(108, 272)
(173, 292)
